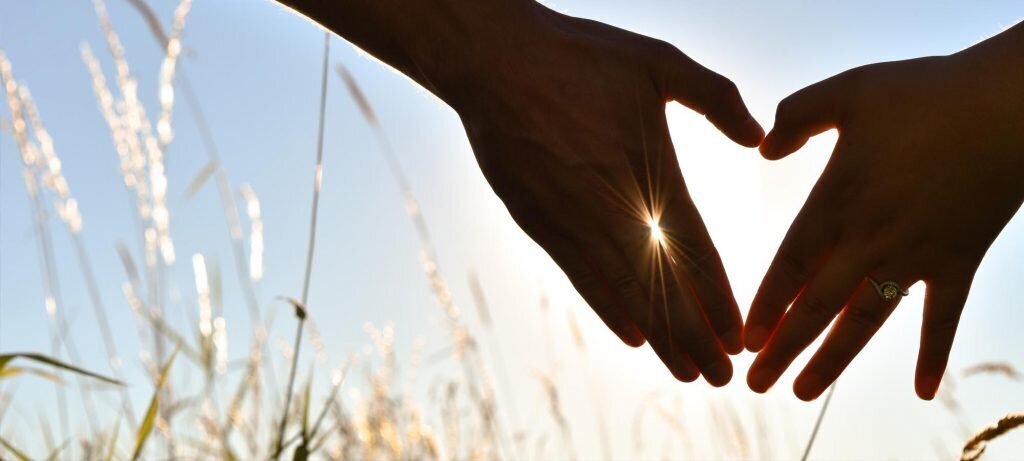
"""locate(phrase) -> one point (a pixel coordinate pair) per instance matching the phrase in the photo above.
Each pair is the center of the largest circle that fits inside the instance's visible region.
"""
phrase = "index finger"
(805, 247)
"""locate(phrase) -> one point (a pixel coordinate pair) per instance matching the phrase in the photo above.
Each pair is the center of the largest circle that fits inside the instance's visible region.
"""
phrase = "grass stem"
(817, 424)
(317, 181)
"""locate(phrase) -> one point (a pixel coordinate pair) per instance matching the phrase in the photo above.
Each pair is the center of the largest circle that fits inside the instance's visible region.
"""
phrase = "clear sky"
(256, 68)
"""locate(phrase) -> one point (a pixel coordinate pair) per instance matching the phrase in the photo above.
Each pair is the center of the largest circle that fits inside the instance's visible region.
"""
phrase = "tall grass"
(236, 410)
(300, 307)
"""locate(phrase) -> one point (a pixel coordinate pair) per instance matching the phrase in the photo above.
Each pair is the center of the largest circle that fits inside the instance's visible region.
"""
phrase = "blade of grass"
(17, 454)
(147, 423)
(339, 380)
(56, 451)
(201, 179)
(305, 409)
(323, 412)
(44, 427)
(10, 372)
(302, 449)
(6, 358)
(113, 440)
(151, 21)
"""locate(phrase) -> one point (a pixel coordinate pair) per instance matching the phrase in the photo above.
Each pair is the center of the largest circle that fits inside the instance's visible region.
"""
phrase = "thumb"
(808, 112)
(710, 94)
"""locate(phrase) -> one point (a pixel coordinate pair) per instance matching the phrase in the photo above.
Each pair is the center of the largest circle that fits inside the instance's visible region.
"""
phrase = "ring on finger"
(888, 290)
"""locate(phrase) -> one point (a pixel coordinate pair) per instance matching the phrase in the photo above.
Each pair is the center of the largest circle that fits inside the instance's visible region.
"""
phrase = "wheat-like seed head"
(173, 50)
(252, 208)
(48, 165)
(997, 368)
(145, 151)
(975, 447)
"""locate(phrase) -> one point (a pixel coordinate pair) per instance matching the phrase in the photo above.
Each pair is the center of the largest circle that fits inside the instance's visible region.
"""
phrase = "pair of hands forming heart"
(566, 119)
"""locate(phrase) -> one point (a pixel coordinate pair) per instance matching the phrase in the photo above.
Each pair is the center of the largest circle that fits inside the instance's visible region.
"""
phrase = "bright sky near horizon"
(256, 69)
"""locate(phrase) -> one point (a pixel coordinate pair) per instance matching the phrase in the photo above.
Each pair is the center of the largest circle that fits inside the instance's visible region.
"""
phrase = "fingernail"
(719, 374)
(756, 338)
(808, 387)
(760, 380)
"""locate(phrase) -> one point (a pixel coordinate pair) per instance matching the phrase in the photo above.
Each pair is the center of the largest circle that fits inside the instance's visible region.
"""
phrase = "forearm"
(438, 43)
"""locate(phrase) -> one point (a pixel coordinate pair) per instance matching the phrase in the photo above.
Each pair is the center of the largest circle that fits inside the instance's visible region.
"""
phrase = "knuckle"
(853, 79)
(791, 267)
(627, 287)
(722, 90)
(718, 313)
(865, 317)
(852, 83)
(726, 87)
(663, 50)
(816, 308)
(786, 107)
(943, 325)
(695, 255)
(663, 54)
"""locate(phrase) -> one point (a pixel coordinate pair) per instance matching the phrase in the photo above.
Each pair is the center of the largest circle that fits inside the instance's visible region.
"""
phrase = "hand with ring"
(927, 170)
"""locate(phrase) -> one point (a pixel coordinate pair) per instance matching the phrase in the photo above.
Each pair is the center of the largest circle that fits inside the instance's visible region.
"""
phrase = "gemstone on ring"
(888, 290)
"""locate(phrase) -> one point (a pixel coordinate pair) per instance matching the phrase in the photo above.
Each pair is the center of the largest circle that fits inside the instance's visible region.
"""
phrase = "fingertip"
(755, 337)
(771, 147)
(767, 146)
(732, 343)
(927, 386)
(808, 387)
(760, 380)
(632, 337)
(750, 134)
(719, 374)
(805, 397)
(687, 375)
(685, 370)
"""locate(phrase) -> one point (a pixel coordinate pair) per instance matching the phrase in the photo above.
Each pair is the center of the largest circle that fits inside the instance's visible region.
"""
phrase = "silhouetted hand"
(568, 125)
(567, 120)
(928, 168)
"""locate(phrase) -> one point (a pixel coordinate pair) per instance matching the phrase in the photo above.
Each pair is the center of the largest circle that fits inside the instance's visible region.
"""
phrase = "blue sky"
(255, 67)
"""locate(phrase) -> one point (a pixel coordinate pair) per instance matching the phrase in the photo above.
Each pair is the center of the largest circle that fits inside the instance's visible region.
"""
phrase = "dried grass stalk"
(975, 447)
(993, 368)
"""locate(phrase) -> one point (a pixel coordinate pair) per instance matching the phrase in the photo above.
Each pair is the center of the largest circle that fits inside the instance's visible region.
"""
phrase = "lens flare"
(656, 234)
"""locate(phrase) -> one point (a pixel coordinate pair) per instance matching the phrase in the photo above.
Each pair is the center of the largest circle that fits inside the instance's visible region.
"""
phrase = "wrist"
(999, 62)
(464, 52)
(447, 46)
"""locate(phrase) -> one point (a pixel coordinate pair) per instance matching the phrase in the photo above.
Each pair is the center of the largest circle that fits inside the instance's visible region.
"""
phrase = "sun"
(656, 234)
